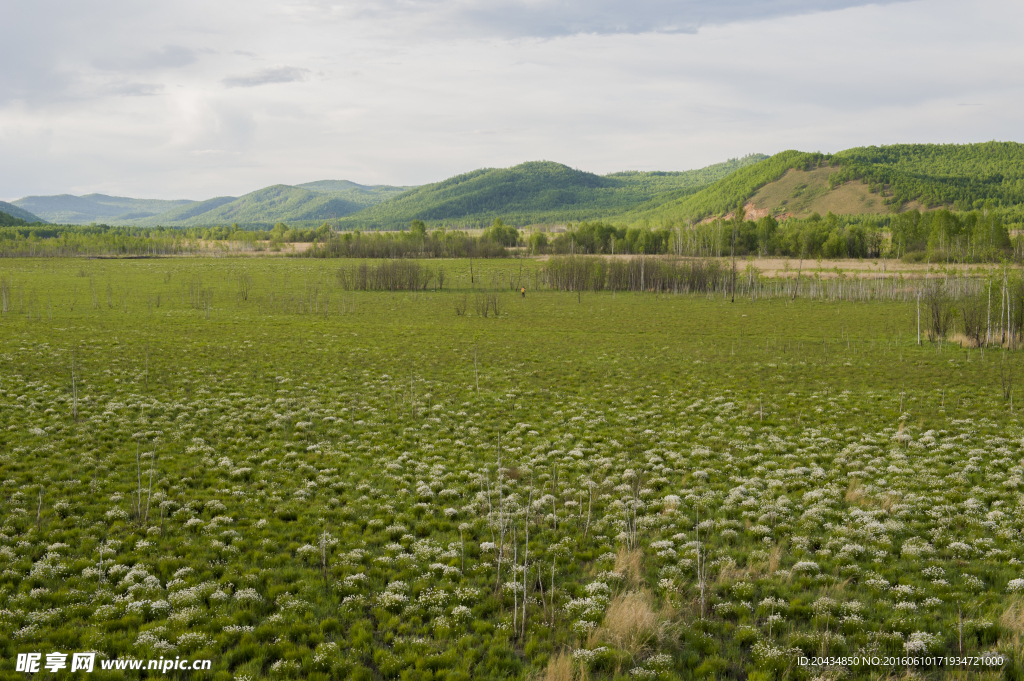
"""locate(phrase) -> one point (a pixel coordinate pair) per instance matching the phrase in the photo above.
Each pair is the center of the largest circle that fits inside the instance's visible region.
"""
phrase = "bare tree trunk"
(149, 496)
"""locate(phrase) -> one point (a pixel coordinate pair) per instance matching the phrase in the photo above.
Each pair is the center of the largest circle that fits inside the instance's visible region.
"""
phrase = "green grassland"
(243, 460)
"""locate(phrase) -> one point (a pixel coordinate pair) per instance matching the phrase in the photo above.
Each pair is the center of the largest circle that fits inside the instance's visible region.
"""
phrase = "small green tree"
(500, 233)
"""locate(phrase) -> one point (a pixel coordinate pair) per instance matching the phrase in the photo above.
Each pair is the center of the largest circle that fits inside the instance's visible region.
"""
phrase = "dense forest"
(960, 176)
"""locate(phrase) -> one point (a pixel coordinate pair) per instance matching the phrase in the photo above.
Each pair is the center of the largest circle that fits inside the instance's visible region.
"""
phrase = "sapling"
(590, 488)
(701, 565)
(515, 583)
(74, 389)
(323, 556)
(149, 495)
(526, 550)
(462, 528)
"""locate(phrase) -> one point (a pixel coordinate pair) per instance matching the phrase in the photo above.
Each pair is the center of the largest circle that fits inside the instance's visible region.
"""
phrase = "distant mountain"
(536, 192)
(19, 213)
(278, 203)
(68, 209)
(342, 185)
(313, 201)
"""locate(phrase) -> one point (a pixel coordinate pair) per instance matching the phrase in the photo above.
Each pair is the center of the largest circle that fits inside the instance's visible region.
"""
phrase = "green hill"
(68, 209)
(861, 180)
(182, 215)
(278, 203)
(17, 213)
(856, 181)
(961, 176)
(530, 193)
(723, 195)
(536, 192)
(345, 186)
(264, 206)
(313, 201)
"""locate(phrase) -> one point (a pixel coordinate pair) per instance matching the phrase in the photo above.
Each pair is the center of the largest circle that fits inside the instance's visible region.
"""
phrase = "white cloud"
(150, 99)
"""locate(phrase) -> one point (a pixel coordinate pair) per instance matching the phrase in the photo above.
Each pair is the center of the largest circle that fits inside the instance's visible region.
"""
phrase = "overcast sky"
(199, 99)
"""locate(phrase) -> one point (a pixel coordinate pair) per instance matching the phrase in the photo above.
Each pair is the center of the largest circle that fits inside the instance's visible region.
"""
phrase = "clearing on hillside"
(800, 193)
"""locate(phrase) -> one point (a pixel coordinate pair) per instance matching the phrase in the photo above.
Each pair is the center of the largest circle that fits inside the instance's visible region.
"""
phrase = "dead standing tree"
(737, 220)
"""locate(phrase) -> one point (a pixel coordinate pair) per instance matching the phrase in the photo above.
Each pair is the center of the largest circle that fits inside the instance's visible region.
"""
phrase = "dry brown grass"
(757, 569)
(731, 574)
(630, 564)
(559, 669)
(630, 623)
(1012, 619)
(836, 589)
(774, 559)
(962, 340)
(854, 493)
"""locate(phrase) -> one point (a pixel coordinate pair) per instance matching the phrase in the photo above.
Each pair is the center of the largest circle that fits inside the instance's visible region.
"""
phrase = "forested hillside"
(313, 201)
(724, 195)
(68, 209)
(956, 176)
(8, 220)
(961, 176)
(537, 192)
(12, 211)
(860, 181)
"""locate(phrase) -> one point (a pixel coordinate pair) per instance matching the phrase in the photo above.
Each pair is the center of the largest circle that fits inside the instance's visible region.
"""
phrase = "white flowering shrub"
(921, 642)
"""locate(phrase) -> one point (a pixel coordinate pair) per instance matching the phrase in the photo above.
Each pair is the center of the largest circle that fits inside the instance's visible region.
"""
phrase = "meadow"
(249, 461)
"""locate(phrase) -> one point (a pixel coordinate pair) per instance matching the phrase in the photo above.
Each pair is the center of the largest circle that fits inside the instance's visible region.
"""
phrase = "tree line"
(934, 236)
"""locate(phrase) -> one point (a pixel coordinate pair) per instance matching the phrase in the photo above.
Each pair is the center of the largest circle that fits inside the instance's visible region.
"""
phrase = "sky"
(201, 99)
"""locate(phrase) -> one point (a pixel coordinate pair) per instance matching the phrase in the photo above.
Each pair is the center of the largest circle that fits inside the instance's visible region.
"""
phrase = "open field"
(241, 460)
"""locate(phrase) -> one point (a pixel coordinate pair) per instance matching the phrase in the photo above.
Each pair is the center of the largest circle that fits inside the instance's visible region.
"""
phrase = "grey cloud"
(170, 57)
(134, 89)
(278, 74)
(530, 18)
